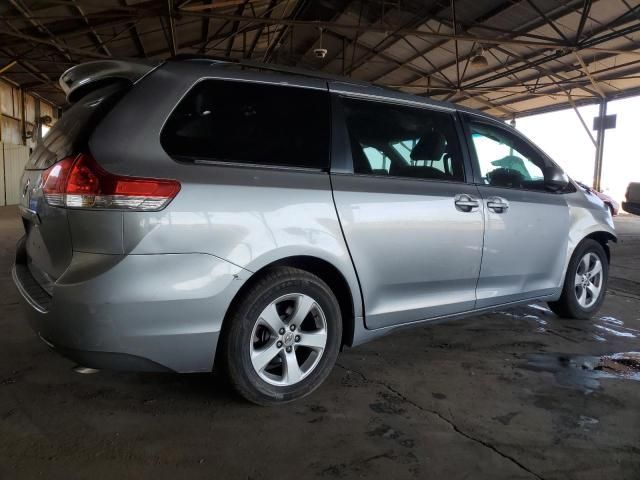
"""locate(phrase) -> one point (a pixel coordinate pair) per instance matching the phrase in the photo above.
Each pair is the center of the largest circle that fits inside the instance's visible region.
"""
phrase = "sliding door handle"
(497, 204)
(465, 203)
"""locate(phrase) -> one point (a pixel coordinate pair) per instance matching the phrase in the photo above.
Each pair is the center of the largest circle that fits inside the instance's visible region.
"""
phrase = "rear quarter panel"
(248, 216)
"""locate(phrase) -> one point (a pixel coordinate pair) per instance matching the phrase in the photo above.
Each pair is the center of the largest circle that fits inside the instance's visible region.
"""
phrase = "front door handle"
(465, 203)
(497, 204)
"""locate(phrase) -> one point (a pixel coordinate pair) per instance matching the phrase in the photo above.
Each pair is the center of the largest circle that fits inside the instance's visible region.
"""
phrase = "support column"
(597, 170)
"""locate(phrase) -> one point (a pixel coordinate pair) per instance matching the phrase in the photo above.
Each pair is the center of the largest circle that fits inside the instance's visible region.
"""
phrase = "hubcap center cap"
(288, 339)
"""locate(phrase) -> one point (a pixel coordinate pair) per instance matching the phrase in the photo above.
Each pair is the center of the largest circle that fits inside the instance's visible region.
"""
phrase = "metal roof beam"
(30, 69)
(275, 44)
(583, 20)
(135, 34)
(385, 30)
(344, 39)
(585, 69)
(256, 38)
(172, 29)
(234, 28)
(95, 35)
(384, 56)
(26, 13)
(64, 49)
(540, 61)
(392, 38)
(549, 21)
(610, 36)
(436, 70)
(483, 18)
(589, 100)
(75, 32)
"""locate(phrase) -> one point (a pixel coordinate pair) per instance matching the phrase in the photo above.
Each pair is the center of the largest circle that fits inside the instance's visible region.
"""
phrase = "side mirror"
(555, 179)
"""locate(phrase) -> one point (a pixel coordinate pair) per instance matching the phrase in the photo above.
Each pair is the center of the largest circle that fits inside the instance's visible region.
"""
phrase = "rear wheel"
(283, 337)
(585, 283)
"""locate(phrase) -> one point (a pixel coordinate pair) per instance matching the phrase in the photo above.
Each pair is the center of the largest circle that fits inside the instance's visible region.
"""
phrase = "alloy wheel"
(588, 280)
(288, 339)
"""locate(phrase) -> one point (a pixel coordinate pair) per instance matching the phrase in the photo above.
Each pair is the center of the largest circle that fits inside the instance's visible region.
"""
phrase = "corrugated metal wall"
(13, 159)
(2, 197)
(18, 114)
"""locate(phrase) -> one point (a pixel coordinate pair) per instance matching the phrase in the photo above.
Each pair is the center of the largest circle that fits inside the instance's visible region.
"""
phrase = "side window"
(250, 123)
(399, 141)
(505, 159)
(378, 160)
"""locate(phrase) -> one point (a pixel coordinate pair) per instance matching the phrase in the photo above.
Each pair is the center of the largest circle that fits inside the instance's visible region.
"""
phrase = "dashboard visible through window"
(506, 160)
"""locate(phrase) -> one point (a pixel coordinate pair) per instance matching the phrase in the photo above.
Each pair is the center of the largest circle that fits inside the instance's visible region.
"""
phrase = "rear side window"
(250, 123)
(400, 141)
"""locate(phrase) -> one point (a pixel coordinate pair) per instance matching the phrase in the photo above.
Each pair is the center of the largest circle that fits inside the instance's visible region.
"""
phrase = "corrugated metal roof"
(540, 54)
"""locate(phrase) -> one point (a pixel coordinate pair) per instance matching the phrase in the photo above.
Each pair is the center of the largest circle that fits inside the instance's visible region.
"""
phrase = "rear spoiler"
(81, 79)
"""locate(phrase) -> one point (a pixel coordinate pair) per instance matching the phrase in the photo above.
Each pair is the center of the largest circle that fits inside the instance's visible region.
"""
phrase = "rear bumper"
(631, 207)
(134, 312)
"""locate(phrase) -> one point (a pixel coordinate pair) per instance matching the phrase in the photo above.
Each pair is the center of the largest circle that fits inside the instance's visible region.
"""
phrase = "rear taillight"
(79, 182)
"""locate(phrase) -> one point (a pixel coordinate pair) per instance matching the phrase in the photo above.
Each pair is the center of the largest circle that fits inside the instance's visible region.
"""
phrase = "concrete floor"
(518, 394)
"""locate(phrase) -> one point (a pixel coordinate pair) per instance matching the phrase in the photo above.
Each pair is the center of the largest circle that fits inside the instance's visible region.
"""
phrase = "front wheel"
(585, 283)
(283, 337)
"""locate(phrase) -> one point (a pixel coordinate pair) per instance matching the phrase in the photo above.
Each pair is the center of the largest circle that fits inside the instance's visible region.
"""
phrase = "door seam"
(484, 232)
(355, 270)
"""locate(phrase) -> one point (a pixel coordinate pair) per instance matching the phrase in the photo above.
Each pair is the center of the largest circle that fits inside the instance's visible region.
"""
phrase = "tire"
(571, 303)
(261, 324)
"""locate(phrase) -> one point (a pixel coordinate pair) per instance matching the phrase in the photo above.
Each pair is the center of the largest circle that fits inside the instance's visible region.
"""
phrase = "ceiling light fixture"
(479, 60)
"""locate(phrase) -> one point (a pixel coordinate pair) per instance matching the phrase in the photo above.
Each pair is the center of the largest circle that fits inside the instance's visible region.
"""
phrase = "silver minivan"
(203, 214)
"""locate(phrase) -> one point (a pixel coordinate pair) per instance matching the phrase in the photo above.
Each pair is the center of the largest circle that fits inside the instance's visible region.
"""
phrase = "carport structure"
(507, 57)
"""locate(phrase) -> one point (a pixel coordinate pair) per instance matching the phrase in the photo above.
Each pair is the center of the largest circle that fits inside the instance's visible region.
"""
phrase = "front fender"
(588, 217)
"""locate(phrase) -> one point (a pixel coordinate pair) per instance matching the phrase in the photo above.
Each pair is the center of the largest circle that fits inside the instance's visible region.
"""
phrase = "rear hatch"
(48, 241)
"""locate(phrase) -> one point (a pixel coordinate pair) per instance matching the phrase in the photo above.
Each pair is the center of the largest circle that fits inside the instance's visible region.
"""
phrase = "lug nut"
(292, 327)
(282, 331)
(288, 349)
(279, 344)
(297, 338)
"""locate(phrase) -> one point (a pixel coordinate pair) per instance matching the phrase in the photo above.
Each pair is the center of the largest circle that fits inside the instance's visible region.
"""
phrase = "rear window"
(250, 123)
(70, 134)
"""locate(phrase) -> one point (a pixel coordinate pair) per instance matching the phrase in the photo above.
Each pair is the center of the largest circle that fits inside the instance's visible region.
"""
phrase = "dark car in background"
(632, 204)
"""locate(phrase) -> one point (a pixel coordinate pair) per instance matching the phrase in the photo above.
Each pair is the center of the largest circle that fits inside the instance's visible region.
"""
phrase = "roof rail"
(270, 67)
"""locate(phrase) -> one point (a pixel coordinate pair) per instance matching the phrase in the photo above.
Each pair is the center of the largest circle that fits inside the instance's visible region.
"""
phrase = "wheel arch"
(323, 269)
(603, 238)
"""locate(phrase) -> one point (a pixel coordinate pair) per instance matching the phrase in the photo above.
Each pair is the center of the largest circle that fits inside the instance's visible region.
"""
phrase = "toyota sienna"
(203, 214)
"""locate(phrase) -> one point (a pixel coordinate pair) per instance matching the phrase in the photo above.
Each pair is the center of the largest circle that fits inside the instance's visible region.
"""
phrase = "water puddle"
(612, 321)
(585, 371)
(606, 326)
(540, 308)
(587, 422)
(615, 326)
(615, 332)
(517, 313)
